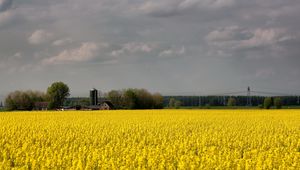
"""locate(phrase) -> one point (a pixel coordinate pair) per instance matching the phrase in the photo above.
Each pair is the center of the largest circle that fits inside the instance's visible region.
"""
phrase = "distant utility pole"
(224, 100)
(249, 97)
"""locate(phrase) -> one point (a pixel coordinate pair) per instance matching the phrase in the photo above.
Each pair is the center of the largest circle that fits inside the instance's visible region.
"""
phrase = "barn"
(106, 105)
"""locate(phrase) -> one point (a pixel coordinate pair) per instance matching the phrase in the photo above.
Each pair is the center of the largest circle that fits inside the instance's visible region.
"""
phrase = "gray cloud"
(175, 7)
(6, 15)
(133, 47)
(40, 36)
(230, 33)
(87, 51)
(173, 52)
(167, 46)
(236, 40)
(5, 5)
(62, 42)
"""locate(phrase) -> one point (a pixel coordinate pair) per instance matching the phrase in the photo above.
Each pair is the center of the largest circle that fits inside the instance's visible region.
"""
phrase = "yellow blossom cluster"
(151, 139)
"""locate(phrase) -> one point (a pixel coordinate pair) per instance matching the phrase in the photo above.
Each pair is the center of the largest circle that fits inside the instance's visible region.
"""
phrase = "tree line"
(26, 100)
(135, 99)
(57, 93)
(206, 101)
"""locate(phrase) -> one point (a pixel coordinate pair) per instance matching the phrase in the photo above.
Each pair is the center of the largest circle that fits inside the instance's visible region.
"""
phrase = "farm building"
(94, 97)
(106, 105)
(41, 105)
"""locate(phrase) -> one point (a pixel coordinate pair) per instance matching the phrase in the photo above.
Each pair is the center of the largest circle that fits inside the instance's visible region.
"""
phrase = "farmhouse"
(106, 105)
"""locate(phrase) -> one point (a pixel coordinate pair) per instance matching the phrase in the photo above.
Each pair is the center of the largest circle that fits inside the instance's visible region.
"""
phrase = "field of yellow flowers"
(161, 139)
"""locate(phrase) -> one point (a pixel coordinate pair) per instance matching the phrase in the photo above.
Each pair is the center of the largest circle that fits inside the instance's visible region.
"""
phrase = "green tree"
(144, 99)
(57, 94)
(278, 103)
(213, 101)
(23, 100)
(130, 99)
(172, 102)
(267, 102)
(116, 97)
(231, 102)
(158, 101)
(177, 104)
(84, 102)
(135, 99)
(207, 106)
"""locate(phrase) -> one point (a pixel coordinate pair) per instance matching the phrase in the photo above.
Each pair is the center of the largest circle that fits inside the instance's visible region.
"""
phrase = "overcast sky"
(167, 46)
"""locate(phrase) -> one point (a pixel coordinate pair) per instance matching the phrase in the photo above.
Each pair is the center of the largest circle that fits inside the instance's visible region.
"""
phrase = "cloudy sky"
(167, 46)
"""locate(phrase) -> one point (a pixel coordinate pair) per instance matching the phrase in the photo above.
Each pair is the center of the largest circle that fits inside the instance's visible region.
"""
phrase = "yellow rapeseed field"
(150, 139)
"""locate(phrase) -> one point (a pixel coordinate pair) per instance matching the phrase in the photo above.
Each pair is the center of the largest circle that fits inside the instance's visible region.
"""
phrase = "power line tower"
(249, 97)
